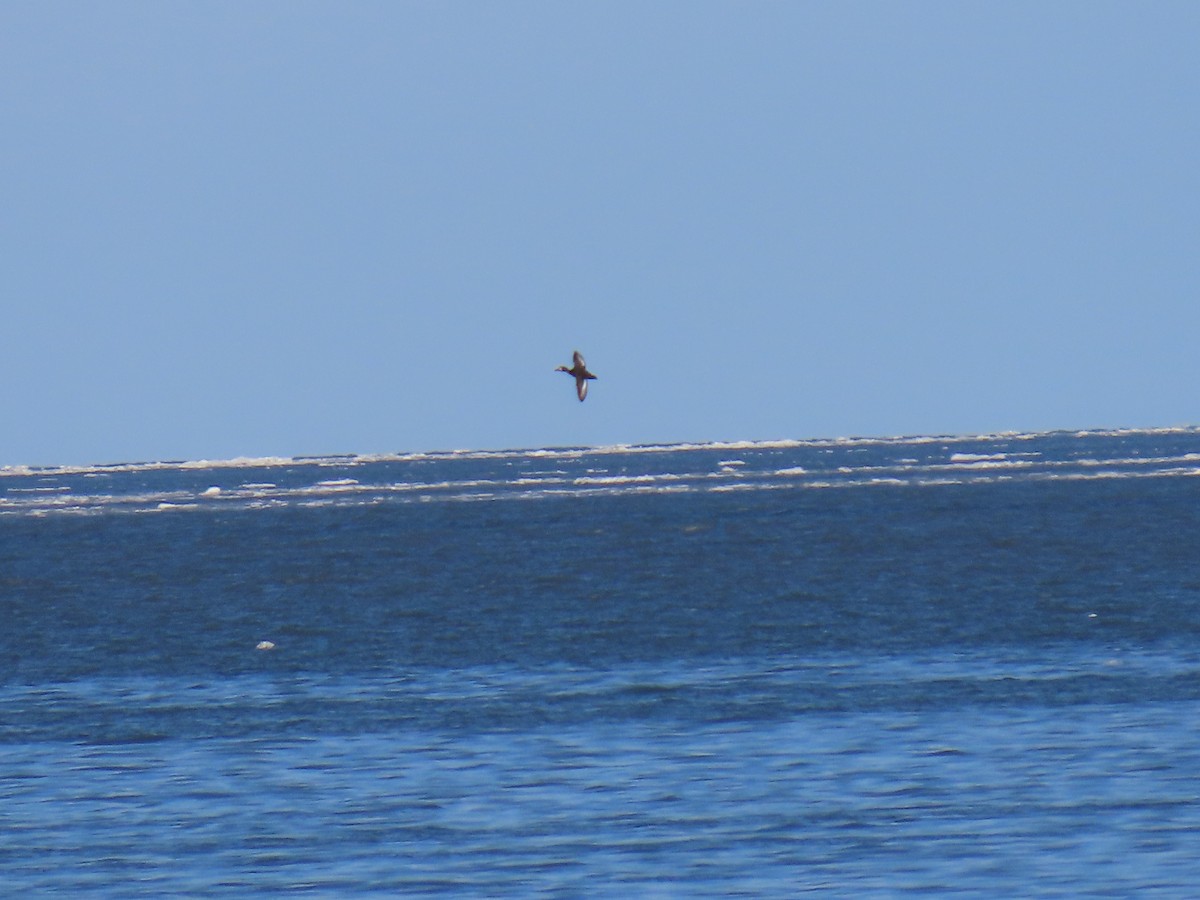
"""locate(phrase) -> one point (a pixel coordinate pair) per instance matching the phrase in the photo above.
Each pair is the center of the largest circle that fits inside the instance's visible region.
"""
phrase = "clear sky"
(280, 228)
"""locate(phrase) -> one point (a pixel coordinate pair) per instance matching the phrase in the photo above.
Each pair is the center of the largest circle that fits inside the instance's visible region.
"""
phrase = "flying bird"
(581, 375)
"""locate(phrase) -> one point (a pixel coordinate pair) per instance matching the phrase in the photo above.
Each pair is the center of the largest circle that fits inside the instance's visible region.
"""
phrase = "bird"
(581, 374)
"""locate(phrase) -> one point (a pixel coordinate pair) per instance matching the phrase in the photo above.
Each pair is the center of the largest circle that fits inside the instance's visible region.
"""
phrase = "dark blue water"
(859, 668)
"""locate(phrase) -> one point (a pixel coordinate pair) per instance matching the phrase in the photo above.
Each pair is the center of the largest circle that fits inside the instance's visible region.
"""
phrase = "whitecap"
(566, 454)
(623, 479)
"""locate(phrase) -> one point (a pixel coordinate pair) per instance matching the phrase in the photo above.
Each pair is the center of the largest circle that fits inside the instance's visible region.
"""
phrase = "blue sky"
(245, 229)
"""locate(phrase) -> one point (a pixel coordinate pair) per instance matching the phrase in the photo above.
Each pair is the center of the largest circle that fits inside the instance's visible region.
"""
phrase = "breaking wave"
(717, 466)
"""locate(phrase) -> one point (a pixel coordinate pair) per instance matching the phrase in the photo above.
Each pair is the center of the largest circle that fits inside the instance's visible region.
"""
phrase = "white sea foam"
(1139, 460)
(241, 462)
(1001, 463)
(477, 490)
(841, 463)
(625, 479)
(568, 453)
(730, 487)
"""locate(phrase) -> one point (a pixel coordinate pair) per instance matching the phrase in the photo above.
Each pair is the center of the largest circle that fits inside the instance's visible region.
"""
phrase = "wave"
(568, 453)
(717, 467)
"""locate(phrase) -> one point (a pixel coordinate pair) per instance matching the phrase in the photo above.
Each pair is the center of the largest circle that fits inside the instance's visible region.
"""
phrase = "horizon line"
(18, 469)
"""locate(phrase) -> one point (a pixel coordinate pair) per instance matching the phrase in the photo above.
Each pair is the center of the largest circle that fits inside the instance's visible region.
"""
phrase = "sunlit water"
(857, 668)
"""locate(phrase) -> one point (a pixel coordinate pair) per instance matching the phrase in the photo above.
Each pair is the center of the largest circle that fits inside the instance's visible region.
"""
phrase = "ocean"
(853, 668)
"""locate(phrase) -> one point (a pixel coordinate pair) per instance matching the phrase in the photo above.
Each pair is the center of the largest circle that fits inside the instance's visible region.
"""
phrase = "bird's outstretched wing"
(579, 363)
(581, 387)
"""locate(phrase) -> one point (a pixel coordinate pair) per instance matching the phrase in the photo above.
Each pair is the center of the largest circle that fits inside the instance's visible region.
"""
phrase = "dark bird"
(581, 375)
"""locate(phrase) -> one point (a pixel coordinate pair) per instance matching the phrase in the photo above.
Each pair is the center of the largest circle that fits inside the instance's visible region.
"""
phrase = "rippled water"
(856, 668)
(993, 802)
